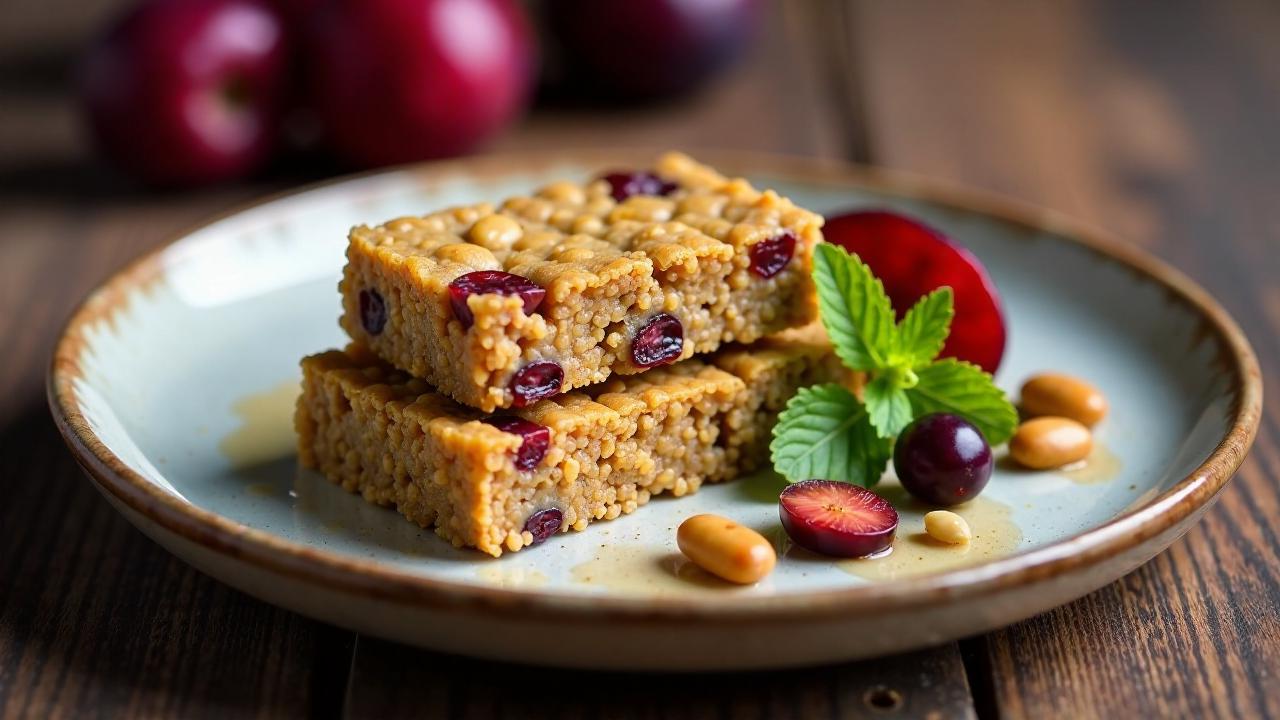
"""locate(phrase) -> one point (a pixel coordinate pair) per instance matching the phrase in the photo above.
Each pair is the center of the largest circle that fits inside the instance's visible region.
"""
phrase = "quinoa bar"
(501, 307)
(508, 481)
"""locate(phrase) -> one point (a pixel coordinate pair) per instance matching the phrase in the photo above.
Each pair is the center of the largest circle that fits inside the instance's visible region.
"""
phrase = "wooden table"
(1159, 121)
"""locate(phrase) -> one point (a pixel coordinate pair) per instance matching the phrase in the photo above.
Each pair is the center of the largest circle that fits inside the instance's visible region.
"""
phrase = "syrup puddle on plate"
(263, 489)
(266, 426)
(639, 570)
(1101, 466)
(915, 553)
(515, 578)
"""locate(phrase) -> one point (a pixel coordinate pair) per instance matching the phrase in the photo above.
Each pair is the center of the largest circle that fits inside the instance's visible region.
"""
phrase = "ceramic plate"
(174, 386)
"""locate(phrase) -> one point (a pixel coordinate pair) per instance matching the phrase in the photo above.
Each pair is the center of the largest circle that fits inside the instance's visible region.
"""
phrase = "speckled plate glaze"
(174, 382)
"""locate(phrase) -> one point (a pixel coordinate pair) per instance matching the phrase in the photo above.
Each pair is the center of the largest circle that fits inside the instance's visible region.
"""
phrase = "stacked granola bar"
(522, 369)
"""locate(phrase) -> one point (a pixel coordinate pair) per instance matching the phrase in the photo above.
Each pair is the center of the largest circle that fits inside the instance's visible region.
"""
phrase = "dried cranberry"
(544, 523)
(535, 381)
(492, 282)
(373, 311)
(768, 257)
(659, 342)
(534, 439)
(623, 185)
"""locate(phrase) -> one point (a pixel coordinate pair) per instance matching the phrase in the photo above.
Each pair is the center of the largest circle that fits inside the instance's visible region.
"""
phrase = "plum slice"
(838, 519)
(913, 259)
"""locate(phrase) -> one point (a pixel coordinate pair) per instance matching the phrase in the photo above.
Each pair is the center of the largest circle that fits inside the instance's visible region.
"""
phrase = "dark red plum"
(643, 49)
(183, 93)
(942, 459)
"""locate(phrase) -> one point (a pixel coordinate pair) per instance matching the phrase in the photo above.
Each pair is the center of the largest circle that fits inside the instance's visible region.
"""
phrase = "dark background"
(1158, 121)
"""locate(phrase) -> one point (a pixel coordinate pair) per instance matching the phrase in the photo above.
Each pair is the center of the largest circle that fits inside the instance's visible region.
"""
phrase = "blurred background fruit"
(187, 92)
(645, 49)
(180, 92)
(401, 80)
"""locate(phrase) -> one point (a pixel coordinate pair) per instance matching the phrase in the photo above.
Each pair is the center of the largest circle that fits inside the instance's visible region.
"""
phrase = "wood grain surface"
(1155, 120)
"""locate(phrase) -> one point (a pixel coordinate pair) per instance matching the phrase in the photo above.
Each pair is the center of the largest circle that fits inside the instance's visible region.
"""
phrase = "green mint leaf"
(855, 309)
(925, 327)
(824, 433)
(888, 407)
(963, 389)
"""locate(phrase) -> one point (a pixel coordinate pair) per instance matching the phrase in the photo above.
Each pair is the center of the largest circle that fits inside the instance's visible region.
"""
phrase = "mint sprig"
(827, 432)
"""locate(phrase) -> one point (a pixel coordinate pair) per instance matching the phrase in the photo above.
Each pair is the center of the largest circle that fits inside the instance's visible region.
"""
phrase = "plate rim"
(369, 578)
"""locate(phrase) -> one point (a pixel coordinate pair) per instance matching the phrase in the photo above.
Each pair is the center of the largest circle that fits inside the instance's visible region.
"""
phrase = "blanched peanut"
(1063, 396)
(496, 232)
(564, 191)
(1050, 442)
(724, 548)
(470, 255)
(948, 527)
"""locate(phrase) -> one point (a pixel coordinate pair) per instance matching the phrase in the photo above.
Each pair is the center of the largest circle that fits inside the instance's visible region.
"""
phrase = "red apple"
(640, 49)
(403, 80)
(180, 92)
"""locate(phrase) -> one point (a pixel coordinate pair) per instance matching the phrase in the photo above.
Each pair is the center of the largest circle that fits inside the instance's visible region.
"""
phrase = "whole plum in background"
(183, 92)
(644, 49)
(396, 81)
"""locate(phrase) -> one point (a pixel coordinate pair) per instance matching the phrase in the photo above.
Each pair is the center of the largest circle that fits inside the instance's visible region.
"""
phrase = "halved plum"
(913, 259)
(838, 519)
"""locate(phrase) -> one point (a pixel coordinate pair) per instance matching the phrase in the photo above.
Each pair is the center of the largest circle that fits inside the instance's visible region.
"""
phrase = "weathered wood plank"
(94, 618)
(390, 680)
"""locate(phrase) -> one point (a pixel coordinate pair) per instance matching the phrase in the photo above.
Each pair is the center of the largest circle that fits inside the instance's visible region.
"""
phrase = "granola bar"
(499, 307)
(508, 481)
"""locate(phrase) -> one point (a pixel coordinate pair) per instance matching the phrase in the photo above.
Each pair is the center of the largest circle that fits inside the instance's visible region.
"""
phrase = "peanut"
(726, 549)
(564, 191)
(496, 232)
(1061, 395)
(948, 527)
(1050, 442)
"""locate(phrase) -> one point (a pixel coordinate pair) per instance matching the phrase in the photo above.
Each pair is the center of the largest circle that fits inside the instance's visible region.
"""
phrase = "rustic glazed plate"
(174, 386)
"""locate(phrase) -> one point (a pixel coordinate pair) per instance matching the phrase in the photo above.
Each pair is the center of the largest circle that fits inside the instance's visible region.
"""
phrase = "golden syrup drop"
(266, 426)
